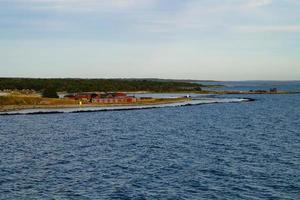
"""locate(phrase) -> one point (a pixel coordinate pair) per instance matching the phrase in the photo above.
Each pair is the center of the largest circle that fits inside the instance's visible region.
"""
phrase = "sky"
(179, 39)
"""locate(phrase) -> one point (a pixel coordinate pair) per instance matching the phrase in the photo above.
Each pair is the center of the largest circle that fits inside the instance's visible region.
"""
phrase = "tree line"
(88, 85)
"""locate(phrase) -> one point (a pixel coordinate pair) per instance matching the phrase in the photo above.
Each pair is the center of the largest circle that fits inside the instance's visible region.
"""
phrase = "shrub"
(50, 92)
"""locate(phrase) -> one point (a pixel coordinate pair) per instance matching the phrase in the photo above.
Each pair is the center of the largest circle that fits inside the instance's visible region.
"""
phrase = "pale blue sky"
(197, 39)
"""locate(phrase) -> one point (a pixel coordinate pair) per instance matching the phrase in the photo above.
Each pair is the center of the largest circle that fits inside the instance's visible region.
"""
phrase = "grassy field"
(19, 100)
(30, 100)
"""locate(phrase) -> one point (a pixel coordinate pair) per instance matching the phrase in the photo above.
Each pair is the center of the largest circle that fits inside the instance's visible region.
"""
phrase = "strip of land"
(243, 92)
(29, 93)
(13, 103)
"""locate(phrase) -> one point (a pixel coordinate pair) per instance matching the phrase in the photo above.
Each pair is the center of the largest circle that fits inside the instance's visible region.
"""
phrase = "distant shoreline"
(244, 92)
(93, 108)
(158, 101)
(46, 103)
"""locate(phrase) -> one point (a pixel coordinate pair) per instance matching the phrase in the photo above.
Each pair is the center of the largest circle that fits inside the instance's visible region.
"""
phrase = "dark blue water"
(292, 86)
(218, 151)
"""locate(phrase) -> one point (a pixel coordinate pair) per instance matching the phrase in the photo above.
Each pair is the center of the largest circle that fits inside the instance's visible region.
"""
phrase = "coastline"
(92, 108)
(49, 103)
(158, 101)
(213, 92)
(245, 92)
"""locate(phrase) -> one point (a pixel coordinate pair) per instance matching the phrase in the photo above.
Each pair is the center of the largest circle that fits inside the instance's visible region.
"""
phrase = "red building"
(106, 98)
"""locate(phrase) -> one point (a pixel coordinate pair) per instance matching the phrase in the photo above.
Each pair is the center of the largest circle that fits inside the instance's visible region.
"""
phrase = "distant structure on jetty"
(102, 97)
(272, 90)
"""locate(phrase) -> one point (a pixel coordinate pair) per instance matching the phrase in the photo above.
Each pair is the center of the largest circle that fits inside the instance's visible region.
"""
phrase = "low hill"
(86, 85)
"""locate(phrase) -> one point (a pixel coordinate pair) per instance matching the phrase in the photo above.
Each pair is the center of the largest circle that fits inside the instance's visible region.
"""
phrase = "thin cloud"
(265, 29)
(81, 5)
(194, 14)
(88, 5)
(258, 3)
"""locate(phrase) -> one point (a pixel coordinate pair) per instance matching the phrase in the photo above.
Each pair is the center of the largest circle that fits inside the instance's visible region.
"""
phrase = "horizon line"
(152, 78)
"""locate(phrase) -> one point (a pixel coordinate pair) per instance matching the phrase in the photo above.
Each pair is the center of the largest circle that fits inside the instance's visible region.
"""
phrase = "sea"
(218, 150)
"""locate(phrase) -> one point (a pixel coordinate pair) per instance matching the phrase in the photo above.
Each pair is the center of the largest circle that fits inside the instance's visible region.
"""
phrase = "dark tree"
(90, 85)
(50, 92)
